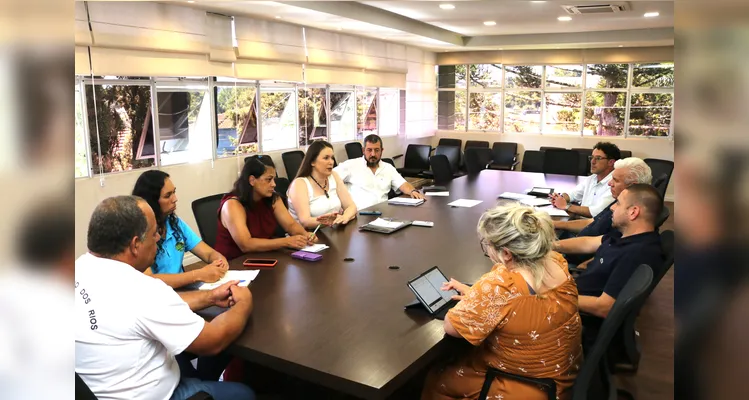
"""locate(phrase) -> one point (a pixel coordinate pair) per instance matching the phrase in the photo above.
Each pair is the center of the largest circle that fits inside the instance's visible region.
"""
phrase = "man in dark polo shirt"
(634, 241)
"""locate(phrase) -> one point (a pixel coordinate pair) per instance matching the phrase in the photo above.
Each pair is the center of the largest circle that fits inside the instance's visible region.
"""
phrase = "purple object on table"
(307, 256)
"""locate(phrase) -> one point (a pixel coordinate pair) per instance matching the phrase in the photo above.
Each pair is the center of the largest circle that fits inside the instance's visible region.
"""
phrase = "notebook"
(405, 201)
(245, 276)
(382, 225)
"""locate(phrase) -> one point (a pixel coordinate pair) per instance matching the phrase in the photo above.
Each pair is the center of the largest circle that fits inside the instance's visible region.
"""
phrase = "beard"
(372, 164)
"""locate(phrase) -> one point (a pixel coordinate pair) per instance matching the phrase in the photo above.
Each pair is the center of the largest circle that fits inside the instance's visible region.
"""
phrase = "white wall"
(640, 147)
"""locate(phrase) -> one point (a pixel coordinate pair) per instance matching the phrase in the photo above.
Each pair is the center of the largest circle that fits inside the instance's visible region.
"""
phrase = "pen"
(313, 233)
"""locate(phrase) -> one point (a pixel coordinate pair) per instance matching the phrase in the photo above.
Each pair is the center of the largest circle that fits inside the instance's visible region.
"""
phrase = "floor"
(654, 380)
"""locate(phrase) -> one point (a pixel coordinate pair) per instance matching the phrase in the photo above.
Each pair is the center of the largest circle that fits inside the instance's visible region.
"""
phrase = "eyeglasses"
(597, 158)
(484, 247)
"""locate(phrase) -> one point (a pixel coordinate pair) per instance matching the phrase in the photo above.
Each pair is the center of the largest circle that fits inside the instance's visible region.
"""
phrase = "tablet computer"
(541, 191)
(427, 286)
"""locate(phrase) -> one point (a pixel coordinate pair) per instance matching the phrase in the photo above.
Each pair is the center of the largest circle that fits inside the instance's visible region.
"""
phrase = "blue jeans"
(218, 390)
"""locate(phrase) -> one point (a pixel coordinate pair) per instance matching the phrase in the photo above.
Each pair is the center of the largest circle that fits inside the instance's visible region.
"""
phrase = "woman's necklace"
(324, 189)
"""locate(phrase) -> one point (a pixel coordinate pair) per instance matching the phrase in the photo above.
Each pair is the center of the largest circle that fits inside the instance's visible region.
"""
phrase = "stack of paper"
(245, 276)
(315, 248)
(440, 194)
(553, 211)
(464, 203)
(535, 202)
(383, 223)
(405, 201)
(515, 196)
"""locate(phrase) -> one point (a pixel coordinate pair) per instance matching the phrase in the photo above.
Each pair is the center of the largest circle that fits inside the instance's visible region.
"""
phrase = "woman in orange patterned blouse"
(521, 317)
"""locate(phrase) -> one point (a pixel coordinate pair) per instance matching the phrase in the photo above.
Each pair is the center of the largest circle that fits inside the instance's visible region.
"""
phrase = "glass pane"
(389, 112)
(653, 75)
(486, 75)
(236, 120)
(485, 111)
(125, 127)
(460, 111)
(563, 113)
(184, 126)
(523, 76)
(313, 119)
(605, 113)
(522, 112)
(650, 114)
(366, 112)
(278, 116)
(81, 164)
(451, 76)
(342, 116)
(564, 76)
(600, 76)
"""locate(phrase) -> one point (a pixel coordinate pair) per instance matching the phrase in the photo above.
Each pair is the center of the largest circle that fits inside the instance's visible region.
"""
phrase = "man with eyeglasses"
(593, 194)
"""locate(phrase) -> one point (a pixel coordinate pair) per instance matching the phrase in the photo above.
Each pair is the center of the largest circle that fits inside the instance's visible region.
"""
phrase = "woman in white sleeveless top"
(317, 195)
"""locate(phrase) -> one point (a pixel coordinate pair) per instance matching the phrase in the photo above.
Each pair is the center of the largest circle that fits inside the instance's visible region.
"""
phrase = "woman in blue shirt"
(157, 189)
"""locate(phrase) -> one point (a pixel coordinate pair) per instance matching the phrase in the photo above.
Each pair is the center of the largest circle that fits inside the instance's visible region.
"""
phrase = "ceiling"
(519, 24)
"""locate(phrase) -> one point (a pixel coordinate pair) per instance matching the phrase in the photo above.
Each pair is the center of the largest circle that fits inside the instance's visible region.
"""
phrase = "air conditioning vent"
(603, 8)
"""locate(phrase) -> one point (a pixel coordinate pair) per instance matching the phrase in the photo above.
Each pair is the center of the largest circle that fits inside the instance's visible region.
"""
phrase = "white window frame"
(341, 88)
(172, 85)
(273, 88)
(236, 83)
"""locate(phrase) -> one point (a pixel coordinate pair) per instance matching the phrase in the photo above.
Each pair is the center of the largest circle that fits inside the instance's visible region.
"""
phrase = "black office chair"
(504, 156)
(450, 142)
(561, 162)
(477, 159)
(391, 193)
(662, 217)
(477, 143)
(544, 148)
(546, 384)
(389, 161)
(83, 392)
(533, 161)
(584, 161)
(416, 163)
(205, 211)
(292, 160)
(353, 150)
(594, 379)
(441, 169)
(453, 156)
(659, 168)
(661, 184)
(625, 153)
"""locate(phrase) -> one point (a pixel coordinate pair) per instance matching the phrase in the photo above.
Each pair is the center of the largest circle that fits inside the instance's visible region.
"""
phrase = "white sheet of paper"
(383, 223)
(405, 200)
(465, 203)
(440, 194)
(316, 248)
(535, 202)
(515, 196)
(248, 276)
(553, 211)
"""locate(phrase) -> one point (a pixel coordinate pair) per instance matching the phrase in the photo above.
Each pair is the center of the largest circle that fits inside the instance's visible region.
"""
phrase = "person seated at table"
(627, 172)
(157, 189)
(593, 194)
(249, 215)
(634, 241)
(369, 180)
(522, 316)
(129, 326)
(317, 195)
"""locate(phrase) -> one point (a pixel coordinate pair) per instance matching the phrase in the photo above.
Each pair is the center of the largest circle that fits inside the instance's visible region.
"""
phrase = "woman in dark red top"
(250, 214)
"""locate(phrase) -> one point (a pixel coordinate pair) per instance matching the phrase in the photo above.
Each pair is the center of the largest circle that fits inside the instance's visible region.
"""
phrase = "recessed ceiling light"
(621, 45)
(278, 17)
(340, 29)
(538, 2)
(490, 23)
(190, 1)
(447, 6)
(564, 19)
(652, 14)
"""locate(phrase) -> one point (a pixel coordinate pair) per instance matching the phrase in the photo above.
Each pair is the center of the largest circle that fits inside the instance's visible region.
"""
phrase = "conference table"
(342, 324)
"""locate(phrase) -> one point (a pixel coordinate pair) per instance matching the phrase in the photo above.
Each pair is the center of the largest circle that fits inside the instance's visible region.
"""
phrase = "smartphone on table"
(258, 263)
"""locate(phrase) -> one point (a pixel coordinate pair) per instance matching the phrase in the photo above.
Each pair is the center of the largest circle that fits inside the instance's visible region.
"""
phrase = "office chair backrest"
(450, 142)
(544, 148)
(625, 153)
(354, 150)
(661, 184)
(595, 357)
(292, 161)
(533, 161)
(477, 143)
(205, 211)
(389, 161)
(441, 169)
(583, 161)
(82, 391)
(477, 159)
(452, 153)
(417, 156)
(504, 153)
(660, 167)
(563, 162)
(662, 217)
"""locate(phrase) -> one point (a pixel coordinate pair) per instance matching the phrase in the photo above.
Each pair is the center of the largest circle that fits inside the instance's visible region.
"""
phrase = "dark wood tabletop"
(341, 324)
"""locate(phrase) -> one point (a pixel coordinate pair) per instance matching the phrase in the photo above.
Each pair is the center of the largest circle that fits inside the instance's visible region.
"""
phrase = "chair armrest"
(397, 157)
(548, 385)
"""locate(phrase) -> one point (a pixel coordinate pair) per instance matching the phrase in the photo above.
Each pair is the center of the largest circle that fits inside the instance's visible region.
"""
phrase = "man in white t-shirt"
(593, 194)
(369, 180)
(129, 326)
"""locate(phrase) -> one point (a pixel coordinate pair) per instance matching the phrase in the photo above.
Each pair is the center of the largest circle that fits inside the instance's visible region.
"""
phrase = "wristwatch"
(568, 207)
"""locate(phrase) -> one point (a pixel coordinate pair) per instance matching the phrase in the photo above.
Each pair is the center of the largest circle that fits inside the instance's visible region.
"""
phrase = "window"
(605, 113)
(313, 117)
(342, 115)
(654, 75)
(609, 76)
(486, 75)
(523, 76)
(236, 120)
(564, 76)
(366, 112)
(650, 114)
(562, 113)
(184, 123)
(389, 112)
(120, 126)
(278, 116)
(81, 161)
(485, 111)
(522, 112)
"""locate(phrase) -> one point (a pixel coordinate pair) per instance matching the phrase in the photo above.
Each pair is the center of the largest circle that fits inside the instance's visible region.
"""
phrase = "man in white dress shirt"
(594, 194)
(369, 180)
(129, 326)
